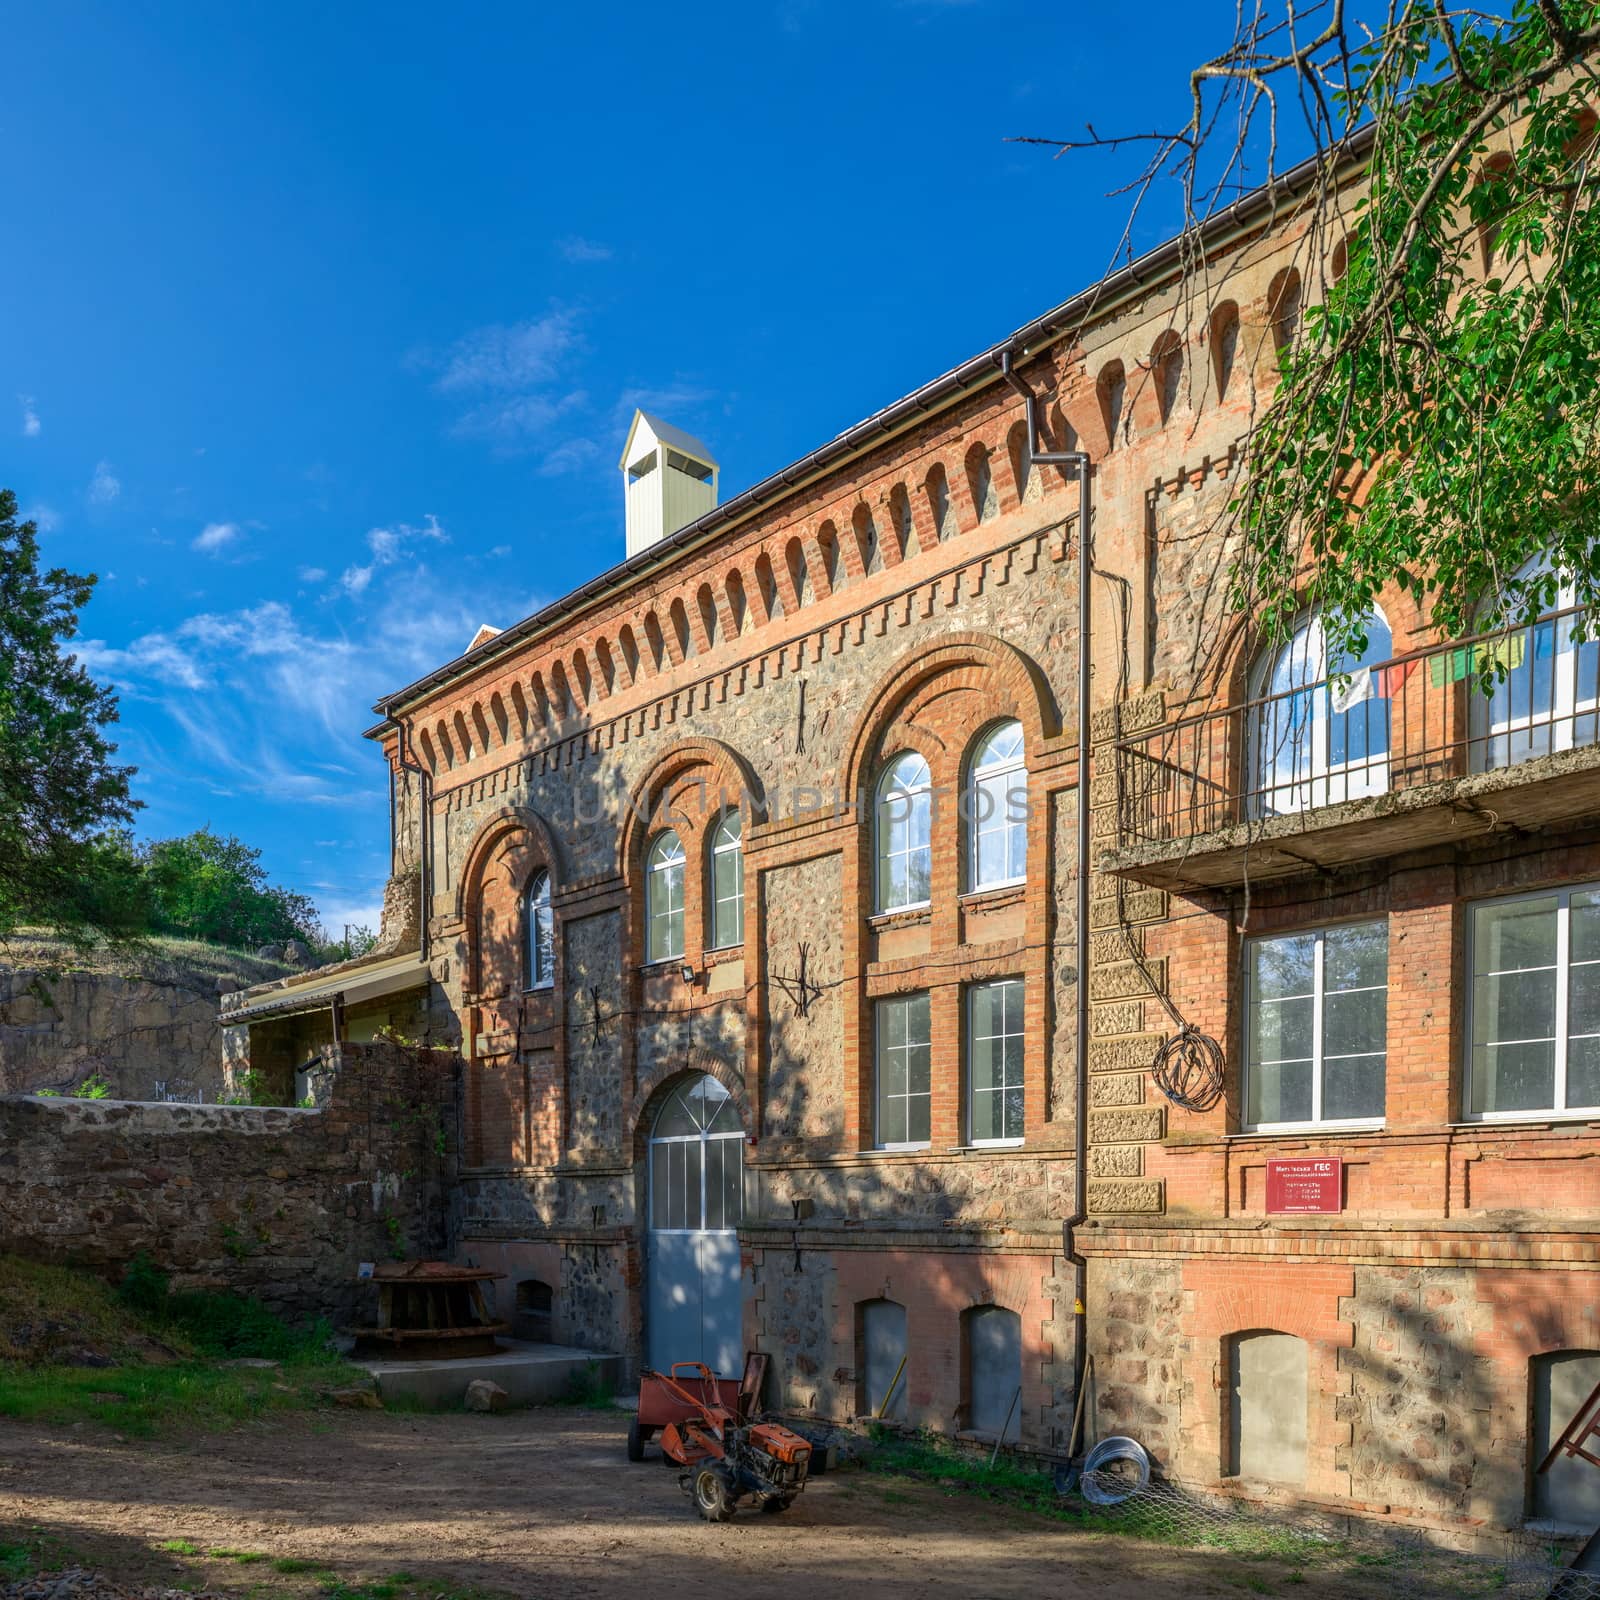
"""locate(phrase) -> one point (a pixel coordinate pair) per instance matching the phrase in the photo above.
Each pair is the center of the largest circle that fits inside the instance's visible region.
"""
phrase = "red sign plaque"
(1316, 1184)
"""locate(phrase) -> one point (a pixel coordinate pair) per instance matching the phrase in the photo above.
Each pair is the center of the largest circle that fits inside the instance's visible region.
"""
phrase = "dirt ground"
(543, 1503)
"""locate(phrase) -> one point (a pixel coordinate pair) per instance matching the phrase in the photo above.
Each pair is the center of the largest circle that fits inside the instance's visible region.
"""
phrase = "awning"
(350, 983)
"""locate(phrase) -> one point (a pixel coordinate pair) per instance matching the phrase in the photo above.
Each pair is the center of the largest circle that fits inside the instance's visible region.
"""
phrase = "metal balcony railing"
(1481, 704)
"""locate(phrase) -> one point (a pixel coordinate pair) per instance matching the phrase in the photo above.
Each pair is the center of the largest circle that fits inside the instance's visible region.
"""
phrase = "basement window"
(1316, 1027)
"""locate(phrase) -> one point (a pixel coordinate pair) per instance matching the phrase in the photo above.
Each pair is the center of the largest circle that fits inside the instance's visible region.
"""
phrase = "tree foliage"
(1435, 424)
(209, 886)
(60, 787)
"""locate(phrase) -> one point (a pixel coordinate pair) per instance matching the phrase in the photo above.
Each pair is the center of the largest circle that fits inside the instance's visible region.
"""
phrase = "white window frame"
(972, 1039)
(537, 913)
(721, 846)
(656, 871)
(1012, 767)
(923, 793)
(1317, 996)
(1552, 1113)
(878, 1048)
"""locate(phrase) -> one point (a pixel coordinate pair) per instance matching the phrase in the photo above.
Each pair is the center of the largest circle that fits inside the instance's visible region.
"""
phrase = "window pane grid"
(1535, 1034)
(664, 899)
(903, 823)
(1316, 1029)
(727, 884)
(904, 1071)
(996, 810)
(995, 1062)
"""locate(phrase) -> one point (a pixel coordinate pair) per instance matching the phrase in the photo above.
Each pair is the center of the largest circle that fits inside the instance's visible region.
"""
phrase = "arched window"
(540, 931)
(1224, 344)
(1319, 727)
(995, 809)
(726, 868)
(980, 482)
(663, 892)
(1547, 695)
(904, 826)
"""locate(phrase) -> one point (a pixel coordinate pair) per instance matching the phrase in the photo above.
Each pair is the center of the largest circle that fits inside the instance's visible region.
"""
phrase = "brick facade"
(907, 599)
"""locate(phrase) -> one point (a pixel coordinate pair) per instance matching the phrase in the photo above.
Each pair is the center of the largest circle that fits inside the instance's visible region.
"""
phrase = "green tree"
(61, 793)
(207, 886)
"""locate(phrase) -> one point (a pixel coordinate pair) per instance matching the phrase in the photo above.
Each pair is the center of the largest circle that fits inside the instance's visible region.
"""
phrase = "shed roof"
(666, 434)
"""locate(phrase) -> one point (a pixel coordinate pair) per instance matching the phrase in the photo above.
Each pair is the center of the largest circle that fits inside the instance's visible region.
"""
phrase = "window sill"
(994, 895)
(1309, 1130)
(898, 1149)
(985, 1146)
(541, 988)
(1527, 1119)
(902, 917)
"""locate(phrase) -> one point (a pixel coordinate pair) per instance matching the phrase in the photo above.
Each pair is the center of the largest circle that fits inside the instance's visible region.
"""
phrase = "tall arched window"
(663, 892)
(1319, 727)
(904, 828)
(995, 809)
(726, 867)
(540, 930)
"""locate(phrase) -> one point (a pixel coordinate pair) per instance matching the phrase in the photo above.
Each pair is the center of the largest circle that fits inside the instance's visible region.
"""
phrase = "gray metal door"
(695, 1305)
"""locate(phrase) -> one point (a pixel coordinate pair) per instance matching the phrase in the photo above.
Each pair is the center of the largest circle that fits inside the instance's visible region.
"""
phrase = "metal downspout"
(1078, 460)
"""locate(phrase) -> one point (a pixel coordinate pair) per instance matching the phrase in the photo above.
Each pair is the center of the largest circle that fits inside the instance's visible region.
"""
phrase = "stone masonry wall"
(279, 1203)
(59, 1029)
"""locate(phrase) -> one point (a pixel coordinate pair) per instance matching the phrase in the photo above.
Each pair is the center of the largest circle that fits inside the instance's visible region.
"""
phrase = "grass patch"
(52, 1314)
(291, 1565)
(179, 1547)
(245, 1558)
(589, 1387)
(25, 1558)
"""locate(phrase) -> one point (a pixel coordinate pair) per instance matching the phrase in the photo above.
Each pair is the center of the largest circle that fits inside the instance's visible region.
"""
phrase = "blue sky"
(323, 325)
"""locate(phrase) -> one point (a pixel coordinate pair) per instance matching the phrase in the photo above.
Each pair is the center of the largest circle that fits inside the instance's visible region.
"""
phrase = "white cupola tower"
(668, 478)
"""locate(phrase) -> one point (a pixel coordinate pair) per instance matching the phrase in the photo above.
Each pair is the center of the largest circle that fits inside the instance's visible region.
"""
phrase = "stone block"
(1132, 1126)
(1132, 1054)
(1119, 1016)
(1117, 1196)
(1116, 1161)
(1117, 945)
(1116, 1089)
(1127, 980)
(1136, 905)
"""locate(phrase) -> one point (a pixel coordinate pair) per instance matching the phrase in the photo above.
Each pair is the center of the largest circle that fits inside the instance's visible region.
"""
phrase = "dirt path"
(544, 1503)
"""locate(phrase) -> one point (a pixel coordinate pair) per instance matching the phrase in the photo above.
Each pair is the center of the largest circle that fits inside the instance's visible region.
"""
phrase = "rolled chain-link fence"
(1334, 1555)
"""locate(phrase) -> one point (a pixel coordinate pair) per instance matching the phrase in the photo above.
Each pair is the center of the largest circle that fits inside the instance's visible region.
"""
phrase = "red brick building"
(749, 875)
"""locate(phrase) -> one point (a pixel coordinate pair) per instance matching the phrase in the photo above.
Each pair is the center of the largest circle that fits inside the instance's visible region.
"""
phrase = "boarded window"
(881, 1347)
(994, 1372)
(534, 1310)
(1570, 1491)
(1267, 1407)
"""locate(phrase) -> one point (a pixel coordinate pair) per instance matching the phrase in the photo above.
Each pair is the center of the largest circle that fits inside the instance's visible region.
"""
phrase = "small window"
(1570, 1491)
(904, 823)
(541, 933)
(996, 809)
(1535, 1005)
(727, 881)
(1316, 1042)
(994, 1062)
(643, 467)
(994, 1372)
(664, 898)
(904, 1072)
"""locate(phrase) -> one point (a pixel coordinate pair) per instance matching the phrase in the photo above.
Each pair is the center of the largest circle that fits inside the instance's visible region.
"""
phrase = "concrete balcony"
(1501, 731)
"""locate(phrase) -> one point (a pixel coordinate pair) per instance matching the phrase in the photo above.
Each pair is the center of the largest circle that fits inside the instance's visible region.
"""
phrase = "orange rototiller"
(723, 1455)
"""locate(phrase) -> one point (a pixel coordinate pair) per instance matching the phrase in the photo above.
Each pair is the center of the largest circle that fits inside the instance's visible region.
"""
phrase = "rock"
(269, 952)
(485, 1396)
(356, 1396)
(297, 953)
(227, 984)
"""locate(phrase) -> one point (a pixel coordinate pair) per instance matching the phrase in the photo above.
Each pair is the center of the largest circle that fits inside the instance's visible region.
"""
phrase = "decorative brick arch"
(726, 769)
(1010, 680)
(492, 832)
(650, 1093)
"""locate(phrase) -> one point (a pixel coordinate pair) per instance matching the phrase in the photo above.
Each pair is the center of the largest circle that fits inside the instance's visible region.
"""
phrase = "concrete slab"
(529, 1373)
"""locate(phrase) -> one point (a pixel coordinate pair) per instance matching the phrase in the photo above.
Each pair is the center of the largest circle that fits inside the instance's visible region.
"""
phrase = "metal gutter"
(979, 370)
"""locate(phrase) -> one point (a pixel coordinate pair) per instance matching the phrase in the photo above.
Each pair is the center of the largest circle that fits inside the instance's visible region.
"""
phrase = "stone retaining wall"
(275, 1202)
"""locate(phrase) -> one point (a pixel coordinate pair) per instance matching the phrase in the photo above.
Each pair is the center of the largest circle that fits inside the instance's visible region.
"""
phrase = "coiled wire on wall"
(1188, 1069)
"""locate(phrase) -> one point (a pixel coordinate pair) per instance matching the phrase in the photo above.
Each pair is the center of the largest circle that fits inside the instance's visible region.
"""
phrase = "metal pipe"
(1079, 461)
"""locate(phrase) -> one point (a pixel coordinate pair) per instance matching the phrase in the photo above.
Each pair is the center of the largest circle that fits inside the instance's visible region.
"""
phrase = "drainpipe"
(424, 829)
(1078, 461)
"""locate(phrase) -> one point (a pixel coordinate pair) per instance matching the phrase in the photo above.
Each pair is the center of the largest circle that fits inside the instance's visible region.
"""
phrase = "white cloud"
(514, 356)
(31, 425)
(515, 421)
(578, 249)
(44, 516)
(388, 546)
(313, 574)
(104, 486)
(571, 456)
(354, 580)
(215, 537)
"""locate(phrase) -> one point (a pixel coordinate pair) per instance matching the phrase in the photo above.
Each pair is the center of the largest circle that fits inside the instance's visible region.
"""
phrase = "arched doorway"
(696, 1203)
